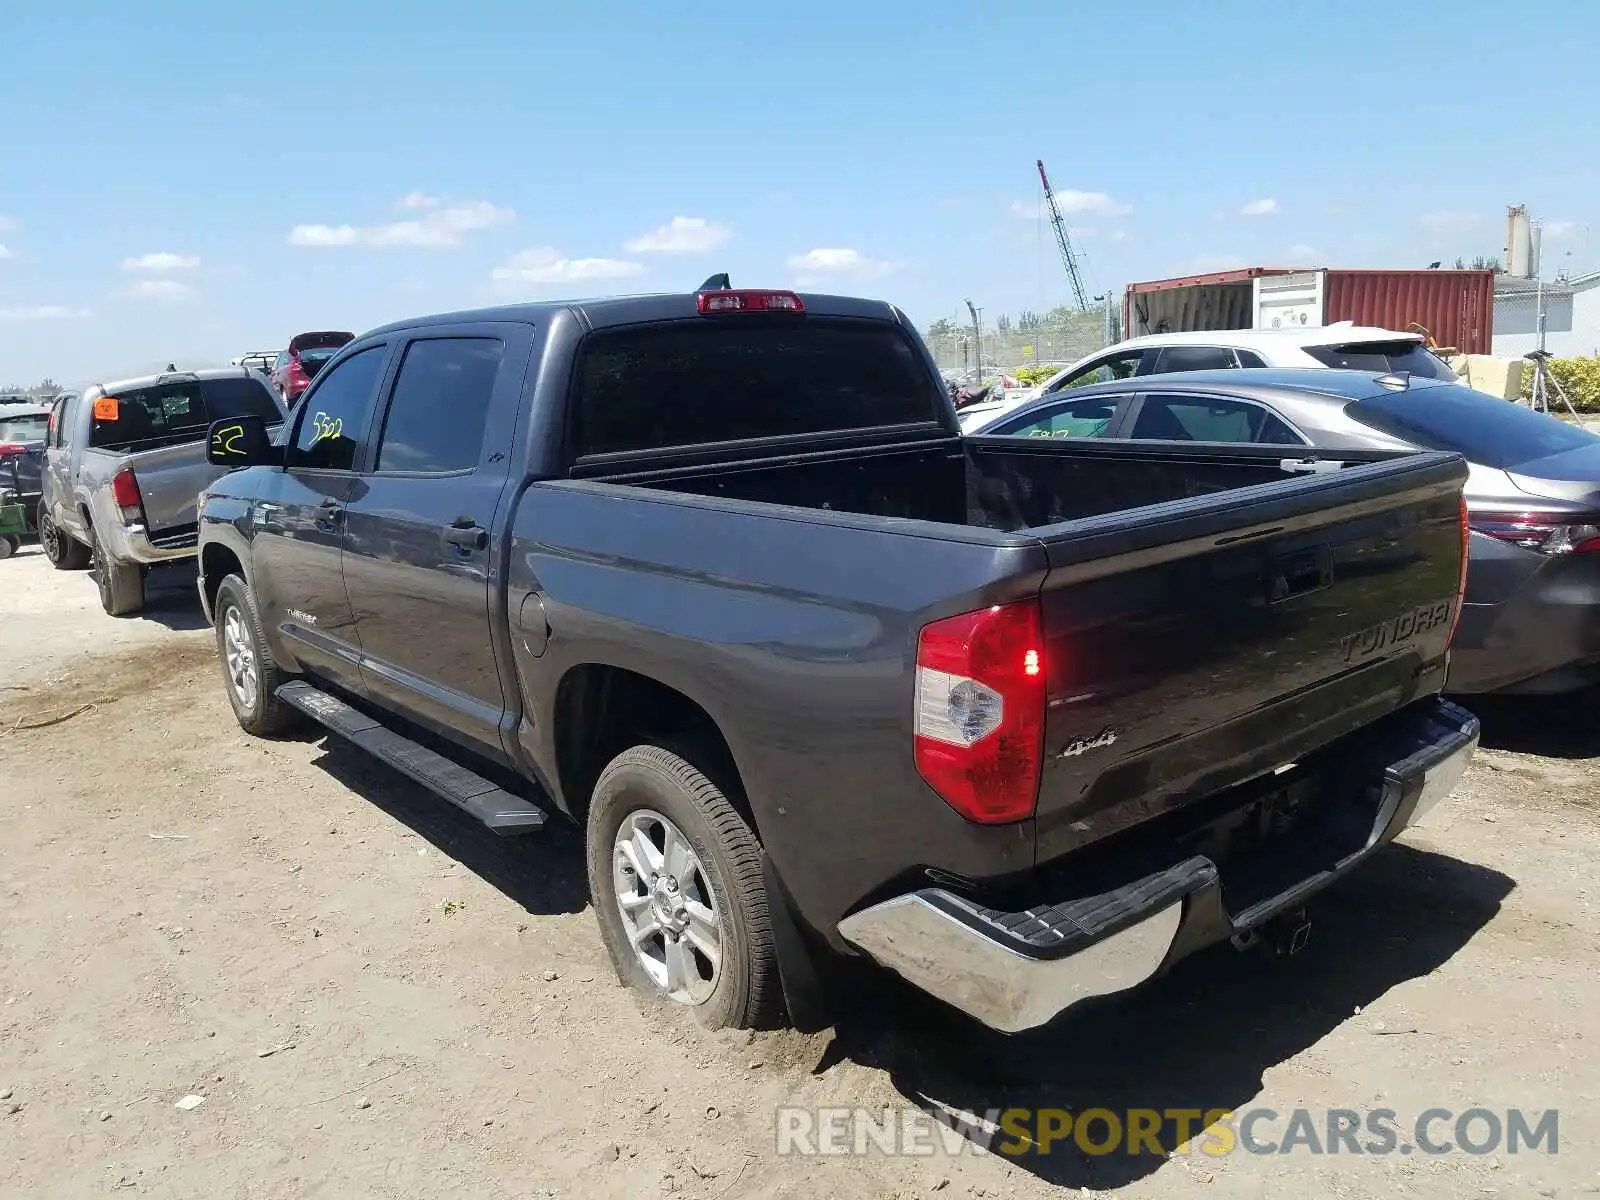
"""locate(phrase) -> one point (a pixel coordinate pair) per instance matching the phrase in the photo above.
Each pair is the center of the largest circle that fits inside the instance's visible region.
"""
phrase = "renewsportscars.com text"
(1016, 1132)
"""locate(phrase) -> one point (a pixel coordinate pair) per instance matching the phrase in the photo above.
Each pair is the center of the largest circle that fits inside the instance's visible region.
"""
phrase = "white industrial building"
(1571, 316)
(1570, 306)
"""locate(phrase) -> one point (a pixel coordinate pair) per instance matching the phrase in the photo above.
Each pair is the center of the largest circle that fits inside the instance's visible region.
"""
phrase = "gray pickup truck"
(124, 462)
(1023, 720)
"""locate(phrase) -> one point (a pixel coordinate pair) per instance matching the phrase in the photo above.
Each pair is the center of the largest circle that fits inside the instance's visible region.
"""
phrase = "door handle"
(328, 512)
(467, 535)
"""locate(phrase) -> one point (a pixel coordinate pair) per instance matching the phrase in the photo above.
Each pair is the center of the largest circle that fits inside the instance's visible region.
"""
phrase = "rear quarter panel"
(797, 635)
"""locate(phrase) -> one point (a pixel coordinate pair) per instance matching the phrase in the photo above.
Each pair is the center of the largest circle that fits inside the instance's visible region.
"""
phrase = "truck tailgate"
(170, 478)
(1196, 645)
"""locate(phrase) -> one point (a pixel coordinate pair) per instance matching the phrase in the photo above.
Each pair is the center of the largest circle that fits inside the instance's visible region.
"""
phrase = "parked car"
(265, 361)
(1532, 616)
(123, 464)
(1340, 347)
(716, 575)
(22, 436)
(298, 365)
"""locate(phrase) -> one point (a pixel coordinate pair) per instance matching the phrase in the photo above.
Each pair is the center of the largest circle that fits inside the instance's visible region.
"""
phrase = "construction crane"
(1068, 258)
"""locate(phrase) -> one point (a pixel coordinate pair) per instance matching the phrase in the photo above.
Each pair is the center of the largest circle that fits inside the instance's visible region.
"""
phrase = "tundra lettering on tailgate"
(1397, 630)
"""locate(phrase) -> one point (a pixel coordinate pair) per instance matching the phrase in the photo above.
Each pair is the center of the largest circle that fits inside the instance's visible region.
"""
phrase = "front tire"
(10, 543)
(63, 551)
(121, 585)
(250, 675)
(675, 872)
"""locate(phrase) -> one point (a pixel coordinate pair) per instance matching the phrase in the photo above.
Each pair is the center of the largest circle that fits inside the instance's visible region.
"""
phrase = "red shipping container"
(1455, 307)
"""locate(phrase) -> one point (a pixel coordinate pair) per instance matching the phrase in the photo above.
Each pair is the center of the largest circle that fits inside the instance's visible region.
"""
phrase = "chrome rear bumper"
(1015, 971)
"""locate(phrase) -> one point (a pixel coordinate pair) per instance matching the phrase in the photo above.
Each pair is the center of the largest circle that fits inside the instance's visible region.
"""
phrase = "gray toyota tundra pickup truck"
(716, 576)
(124, 463)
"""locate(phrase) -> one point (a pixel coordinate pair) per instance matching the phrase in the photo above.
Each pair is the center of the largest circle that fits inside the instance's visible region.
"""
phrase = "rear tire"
(121, 585)
(674, 869)
(250, 675)
(10, 543)
(64, 552)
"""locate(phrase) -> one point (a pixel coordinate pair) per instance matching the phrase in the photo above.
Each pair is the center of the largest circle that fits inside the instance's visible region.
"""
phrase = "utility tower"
(1068, 258)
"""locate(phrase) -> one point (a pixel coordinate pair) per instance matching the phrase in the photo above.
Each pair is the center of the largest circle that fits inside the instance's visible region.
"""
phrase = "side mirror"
(240, 442)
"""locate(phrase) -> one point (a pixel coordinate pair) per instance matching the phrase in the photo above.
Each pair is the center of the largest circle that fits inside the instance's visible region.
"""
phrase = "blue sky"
(182, 181)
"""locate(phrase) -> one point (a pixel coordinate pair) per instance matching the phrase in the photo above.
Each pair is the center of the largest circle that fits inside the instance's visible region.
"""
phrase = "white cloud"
(161, 261)
(839, 262)
(1080, 231)
(681, 235)
(1095, 203)
(544, 266)
(1267, 206)
(1301, 253)
(1448, 222)
(439, 228)
(7, 225)
(4, 253)
(1557, 229)
(416, 200)
(156, 289)
(1120, 235)
(42, 312)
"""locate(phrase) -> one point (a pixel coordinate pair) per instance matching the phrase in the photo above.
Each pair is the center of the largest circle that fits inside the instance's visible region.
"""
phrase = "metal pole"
(977, 341)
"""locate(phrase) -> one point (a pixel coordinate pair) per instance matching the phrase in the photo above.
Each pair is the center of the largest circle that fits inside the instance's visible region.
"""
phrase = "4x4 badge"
(1106, 737)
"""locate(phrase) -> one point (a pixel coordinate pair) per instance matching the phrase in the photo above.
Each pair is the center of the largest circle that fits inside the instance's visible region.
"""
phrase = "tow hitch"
(1286, 933)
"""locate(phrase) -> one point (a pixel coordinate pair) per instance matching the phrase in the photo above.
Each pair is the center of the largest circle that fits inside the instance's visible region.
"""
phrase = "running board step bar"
(472, 793)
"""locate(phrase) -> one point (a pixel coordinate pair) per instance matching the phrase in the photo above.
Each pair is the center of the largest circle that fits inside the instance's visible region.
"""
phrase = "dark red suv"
(297, 366)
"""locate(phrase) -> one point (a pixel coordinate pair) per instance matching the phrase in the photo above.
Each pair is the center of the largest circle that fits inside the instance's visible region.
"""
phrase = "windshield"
(723, 380)
(1383, 357)
(1480, 427)
(31, 427)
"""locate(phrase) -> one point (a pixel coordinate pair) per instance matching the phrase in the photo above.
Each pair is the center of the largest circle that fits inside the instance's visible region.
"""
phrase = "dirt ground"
(372, 996)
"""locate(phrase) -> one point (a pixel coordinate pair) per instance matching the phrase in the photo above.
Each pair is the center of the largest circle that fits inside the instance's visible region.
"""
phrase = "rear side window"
(181, 409)
(1194, 358)
(1210, 419)
(1249, 358)
(440, 406)
(727, 379)
(1384, 357)
(1481, 428)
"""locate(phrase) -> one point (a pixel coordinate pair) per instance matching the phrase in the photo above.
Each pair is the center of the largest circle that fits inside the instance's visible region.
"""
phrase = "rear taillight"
(711, 303)
(1553, 533)
(12, 450)
(125, 490)
(1461, 577)
(979, 715)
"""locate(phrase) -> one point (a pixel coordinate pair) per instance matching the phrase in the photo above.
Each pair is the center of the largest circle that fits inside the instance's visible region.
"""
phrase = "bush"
(1034, 376)
(1578, 377)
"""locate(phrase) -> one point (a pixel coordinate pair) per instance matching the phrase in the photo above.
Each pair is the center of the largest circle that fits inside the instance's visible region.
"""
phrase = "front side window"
(1079, 418)
(1119, 366)
(1211, 419)
(333, 415)
(440, 405)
